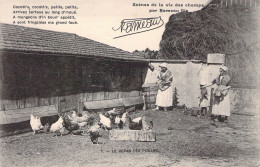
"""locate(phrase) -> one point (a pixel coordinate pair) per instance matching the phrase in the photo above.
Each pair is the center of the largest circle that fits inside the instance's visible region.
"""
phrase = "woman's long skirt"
(164, 98)
(222, 107)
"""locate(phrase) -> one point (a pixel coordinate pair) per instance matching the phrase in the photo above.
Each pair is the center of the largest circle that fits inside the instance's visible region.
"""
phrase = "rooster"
(57, 126)
(36, 124)
(94, 133)
(69, 124)
(106, 122)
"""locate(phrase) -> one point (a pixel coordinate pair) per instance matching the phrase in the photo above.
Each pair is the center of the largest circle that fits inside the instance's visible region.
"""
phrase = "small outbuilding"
(47, 73)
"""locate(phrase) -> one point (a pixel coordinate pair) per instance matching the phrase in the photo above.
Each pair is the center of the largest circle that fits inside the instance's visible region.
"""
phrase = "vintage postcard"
(129, 83)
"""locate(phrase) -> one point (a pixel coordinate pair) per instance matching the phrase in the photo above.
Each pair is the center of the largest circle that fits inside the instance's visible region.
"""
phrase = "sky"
(96, 18)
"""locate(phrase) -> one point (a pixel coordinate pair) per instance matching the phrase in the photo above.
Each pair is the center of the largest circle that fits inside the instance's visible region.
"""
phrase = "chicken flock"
(73, 123)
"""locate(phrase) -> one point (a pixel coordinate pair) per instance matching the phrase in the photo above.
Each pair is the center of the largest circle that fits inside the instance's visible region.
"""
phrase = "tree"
(147, 53)
(175, 98)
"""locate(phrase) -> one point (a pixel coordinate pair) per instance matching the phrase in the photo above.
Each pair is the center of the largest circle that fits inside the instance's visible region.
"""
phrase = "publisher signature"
(139, 25)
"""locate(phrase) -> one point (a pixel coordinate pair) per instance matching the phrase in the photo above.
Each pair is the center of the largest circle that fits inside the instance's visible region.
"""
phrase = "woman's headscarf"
(163, 65)
(225, 68)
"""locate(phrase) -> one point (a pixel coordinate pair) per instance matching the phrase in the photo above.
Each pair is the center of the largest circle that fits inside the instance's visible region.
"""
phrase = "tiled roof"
(13, 37)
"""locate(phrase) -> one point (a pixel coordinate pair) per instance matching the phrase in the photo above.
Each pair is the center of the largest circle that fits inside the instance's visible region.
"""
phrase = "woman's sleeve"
(158, 76)
(214, 81)
(226, 81)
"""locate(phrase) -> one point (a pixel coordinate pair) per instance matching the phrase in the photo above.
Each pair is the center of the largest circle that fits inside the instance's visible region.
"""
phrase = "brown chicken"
(135, 125)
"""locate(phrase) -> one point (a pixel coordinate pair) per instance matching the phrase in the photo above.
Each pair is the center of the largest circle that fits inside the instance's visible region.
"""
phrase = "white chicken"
(73, 114)
(137, 119)
(82, 124)
(105, 121)
(60, 132)
(117, 120)
(57, 126)
(36, 124)
(124, 117)
(78, 119)
(112, 111)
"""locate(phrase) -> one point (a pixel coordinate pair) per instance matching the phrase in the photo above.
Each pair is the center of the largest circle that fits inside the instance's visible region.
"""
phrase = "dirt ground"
(192, 142)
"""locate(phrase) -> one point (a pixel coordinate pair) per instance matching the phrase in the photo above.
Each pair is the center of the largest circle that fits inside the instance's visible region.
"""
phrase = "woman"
(165, 93)
(221, 99)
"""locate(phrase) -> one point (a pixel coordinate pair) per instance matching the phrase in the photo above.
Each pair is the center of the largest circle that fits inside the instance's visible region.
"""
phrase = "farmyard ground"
(192, 142)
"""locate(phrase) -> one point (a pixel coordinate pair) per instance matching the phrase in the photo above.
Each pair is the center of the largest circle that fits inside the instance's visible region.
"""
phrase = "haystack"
(229, 30)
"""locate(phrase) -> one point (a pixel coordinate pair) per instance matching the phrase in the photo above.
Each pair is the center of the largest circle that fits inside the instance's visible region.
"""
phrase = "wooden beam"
(3, 119)
(20, 115)
(129, 101)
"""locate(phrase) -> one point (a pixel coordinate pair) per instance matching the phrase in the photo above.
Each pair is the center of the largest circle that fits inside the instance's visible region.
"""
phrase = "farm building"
(47, 73)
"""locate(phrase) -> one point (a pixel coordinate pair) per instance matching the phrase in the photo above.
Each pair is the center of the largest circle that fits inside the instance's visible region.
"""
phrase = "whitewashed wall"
(187, 77)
